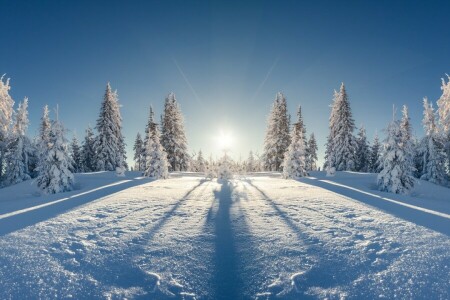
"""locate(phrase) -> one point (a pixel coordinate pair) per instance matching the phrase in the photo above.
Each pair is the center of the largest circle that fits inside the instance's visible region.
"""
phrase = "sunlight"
(224, 140)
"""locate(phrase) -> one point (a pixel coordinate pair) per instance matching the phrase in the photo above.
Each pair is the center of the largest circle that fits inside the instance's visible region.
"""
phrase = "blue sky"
(225, 61)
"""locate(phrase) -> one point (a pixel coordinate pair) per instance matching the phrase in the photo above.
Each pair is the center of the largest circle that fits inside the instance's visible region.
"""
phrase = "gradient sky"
(225, 61)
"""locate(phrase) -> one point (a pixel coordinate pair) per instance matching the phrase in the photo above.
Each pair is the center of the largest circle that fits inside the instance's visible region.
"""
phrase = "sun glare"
(224, 140)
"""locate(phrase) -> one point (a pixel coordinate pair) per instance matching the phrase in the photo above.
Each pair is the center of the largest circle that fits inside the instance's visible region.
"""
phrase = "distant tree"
(88, 152)
(444, 118)
(6, 121)
(312, 153)
(294, 164)
(224, 168)
(341, 146)
(110, 145)
(433, 148)
(375, 153)
(156, 158)
(139, 153)
(200, 163)
(173, 137)
(277, 138)
(251, 164)
(75, 152)
(362, 151)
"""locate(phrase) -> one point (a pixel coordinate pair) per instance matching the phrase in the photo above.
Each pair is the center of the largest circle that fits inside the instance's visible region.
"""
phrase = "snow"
(253, 237)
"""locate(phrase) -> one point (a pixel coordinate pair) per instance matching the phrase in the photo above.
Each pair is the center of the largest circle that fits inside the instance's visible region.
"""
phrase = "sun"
(224, 140)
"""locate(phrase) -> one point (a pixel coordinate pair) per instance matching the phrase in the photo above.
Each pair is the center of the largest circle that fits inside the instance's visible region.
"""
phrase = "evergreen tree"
(6, 120)
(251, 164)
(200, 164)
(88, 152)
(156, 158)
(433, 148)
(396, 175)
(375, 153)
(294, 164)
(224, 168)
(54, 168)
(19, 148)
(312, 153)
(277, 138)
(444, 118)
(362, 151)
(110, 145)
(341, 146)
(407, 137)
(77, 161)
(139, 153)
(173, 137)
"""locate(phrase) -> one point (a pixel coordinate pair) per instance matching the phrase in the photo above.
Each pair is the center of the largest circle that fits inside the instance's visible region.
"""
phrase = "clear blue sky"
(225, 61)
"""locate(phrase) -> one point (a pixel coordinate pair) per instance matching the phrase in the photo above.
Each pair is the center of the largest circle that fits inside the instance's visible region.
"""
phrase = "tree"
(19, 148)
(407, 137)
(341, 146)
(396, 175)
(6, 120)
(312, 153)
(362, 151)
(200, 163)
(224, 169)
(156, 158)
(251, 164)
(139, 153)
(173, 137)
(432, 148)
(55, 165)
(77, 161)
(294, 164)
(375, 153)
(277, 138)
(88, 152)
(444, 117)
(110, 145)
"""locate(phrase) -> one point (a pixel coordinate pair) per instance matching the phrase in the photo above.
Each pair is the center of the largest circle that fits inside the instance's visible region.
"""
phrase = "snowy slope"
(256, 237)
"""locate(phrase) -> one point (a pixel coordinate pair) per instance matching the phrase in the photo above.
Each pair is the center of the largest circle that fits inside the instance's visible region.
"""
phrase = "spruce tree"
(341, 146)
(88, 151)
(6, 121)
(444, 118)
(200, 163)
(251, 164)
(312, 153)
(156, 158)
(173, 137)
(433, 148)
(77, 162)
(294, 164)
(139, 153)
(110, 145)
(362, 151)
(407, 137)
(375, 153)
(277, 138)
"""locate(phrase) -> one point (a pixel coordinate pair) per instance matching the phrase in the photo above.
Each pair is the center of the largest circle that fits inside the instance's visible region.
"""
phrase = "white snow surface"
(253, 237)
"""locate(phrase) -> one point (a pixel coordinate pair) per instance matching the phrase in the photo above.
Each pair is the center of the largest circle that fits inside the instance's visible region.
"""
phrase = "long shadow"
(34, 216)
(419, 217)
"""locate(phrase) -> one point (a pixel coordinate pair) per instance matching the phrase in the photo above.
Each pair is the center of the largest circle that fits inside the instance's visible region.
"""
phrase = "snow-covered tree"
(362, 151)
(6, 120)
(277, 138)
(375, 153)
(396, 174)
(341, 146)
(55, 165)
(75, 153)
(19, 148)
(407, 136)
(294, 164)
(432, 148)
(110, 145)
(173, 137)
(224, 168)
(139, 153)
(251, 164)
(200, 163)
(444, 117)
(156, 158)
(312, 153)
(88, 151)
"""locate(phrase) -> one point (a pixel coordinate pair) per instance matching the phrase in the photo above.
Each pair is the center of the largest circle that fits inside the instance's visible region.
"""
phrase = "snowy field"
(255, 237)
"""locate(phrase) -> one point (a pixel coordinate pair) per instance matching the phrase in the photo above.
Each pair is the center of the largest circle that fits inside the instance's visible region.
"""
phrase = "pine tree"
(19, 148)
(312, 153)
(341, 146)
(77, 162)
(200, 163)
(224, 168)
(395, 176)
(88, 152)
(277, 138)
(294, 164)
(375, 153)
(433, 148)
(444, 117)
(173, 137)
(407, 137)
(139, 153)
(362, 151)
(6, 120)
(251, 164)
(156, 158)
(54, 169)
(110, 145)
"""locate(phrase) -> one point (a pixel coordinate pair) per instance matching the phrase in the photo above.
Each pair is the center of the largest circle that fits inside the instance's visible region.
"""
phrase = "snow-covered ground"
(254, 237)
